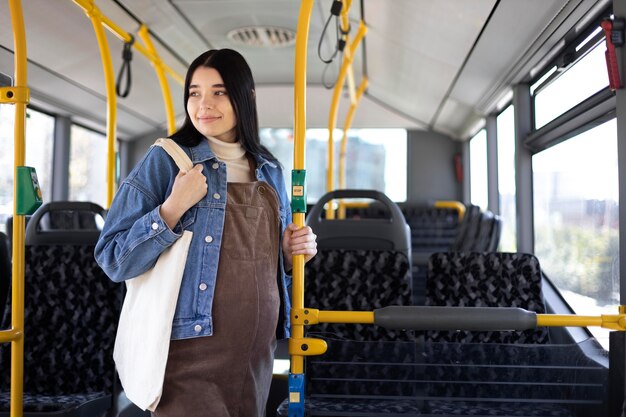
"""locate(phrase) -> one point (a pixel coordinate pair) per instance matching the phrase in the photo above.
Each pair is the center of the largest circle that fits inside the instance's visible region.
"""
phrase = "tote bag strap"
(176, 152)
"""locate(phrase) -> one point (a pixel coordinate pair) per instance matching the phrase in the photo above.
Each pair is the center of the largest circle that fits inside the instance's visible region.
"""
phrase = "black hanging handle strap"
(127, 56)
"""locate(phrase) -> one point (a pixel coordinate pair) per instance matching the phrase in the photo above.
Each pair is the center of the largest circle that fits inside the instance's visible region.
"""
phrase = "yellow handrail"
(334, 107)
(458, 206)
(19, 96)
(344, 144)
(345, 27)
(165, 87)
(100, 21)
(346, 127)
(109, 81)
(608, 321)
(89, 7)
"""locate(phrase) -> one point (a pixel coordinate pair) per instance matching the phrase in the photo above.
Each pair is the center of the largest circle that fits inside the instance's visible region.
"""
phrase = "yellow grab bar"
(310, 316)
(344, 144)
(99, 22)
(109, 81)
(345, 27)
(297, 290)
(346, 127)
(89, 7)
(334, 107)
(458, 206)
(19, 96)
(165, 87)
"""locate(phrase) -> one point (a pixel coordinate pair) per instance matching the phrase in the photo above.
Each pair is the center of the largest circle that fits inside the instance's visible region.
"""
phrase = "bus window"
(39, 143)
(87, 166)
(506, 179)
(376, 159)
(583, 79)
(478, 170)
(576, 220)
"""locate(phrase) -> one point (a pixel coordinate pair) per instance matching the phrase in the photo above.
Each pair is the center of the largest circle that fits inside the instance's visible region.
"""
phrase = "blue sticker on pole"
(296, 395)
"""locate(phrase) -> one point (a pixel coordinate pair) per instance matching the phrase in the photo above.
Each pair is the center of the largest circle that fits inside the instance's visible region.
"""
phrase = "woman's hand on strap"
(298, 241)
(189, 188)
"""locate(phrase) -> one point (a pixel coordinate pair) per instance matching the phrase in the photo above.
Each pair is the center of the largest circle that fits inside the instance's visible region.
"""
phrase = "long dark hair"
(239, 84)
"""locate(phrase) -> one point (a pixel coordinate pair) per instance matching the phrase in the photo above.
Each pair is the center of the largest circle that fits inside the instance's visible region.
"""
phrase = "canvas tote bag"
(143, 334)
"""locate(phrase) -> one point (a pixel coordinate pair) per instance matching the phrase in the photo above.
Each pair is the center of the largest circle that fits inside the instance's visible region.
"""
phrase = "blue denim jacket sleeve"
(134, 234)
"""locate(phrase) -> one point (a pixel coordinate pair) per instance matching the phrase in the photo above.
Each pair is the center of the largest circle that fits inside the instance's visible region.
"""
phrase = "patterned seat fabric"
(51, 403)
(358, 280)
(486, 280)
(482, 408)
(71, 314)
(357, 407)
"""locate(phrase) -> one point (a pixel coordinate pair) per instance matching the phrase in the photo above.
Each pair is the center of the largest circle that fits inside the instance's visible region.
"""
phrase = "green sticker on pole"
(298, 191)
(28, 191)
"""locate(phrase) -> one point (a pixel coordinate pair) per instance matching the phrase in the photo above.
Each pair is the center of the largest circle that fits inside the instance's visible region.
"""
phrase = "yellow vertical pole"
(297, 291)
(332, 121)
(296, 376)
(345, 27)
(17, 293)
(109, 79)
(344, 143)
(160, 71)
(334, 107)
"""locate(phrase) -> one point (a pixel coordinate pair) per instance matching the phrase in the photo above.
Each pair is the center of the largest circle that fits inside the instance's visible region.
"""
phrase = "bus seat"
(502, 371)
(71, 310)
(493, 279)
(390, 233)
(467, 229)
(70, 222)
(361, 264)
(496, 234)
(9, 228)
(433, 229)
(5, 272)
(487, 234)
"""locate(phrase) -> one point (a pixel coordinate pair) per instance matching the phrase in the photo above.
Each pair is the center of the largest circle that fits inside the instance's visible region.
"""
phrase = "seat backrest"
(496, 234)
(5, 272)
(467, 230)
(71, 310)
(391, 233)
(484, 233)
(492, 279)
(67, 222)
(361, 265)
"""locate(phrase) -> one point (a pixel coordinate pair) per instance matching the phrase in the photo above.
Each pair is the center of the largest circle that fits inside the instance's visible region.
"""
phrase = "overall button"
(261, 189)
(197, 328)
(208, 239)
(216, 196)
(155, 226)
(202, 286)
(215, 165)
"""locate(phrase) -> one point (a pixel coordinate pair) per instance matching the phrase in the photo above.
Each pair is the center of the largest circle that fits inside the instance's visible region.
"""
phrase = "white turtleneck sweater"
(234, 156)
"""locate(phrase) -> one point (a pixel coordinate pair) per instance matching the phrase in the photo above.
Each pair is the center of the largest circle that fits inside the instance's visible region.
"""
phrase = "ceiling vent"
(263, 36)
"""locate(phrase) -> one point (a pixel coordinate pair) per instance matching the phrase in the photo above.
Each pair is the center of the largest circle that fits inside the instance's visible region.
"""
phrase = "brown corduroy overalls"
(229, 374)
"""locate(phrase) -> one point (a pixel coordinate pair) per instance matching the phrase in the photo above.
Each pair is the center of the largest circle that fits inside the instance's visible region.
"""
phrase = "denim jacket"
(134, 234)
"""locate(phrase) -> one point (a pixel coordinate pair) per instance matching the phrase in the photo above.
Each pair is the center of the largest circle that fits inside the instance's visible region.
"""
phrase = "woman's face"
(209, 106)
